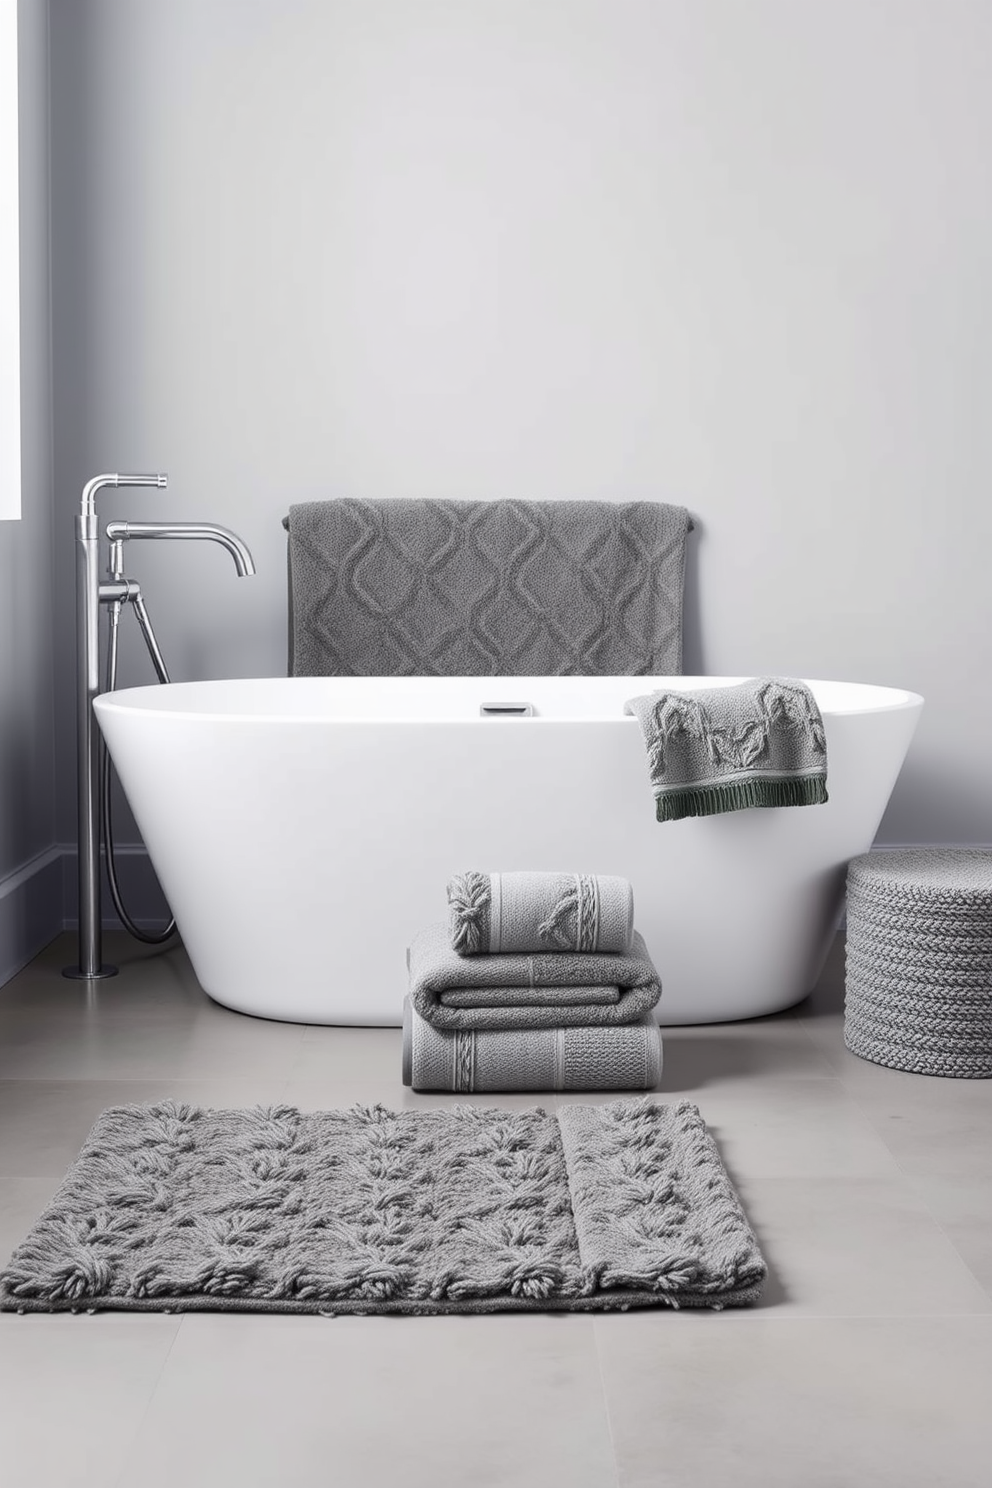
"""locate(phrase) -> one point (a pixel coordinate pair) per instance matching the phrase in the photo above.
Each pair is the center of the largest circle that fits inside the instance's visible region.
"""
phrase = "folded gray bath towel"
(759, 743)
(624, 1058)
(486, 588)
(518, 986)
(505, 912)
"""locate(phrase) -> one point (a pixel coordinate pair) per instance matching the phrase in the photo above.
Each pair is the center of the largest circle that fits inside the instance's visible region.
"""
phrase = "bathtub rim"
(158, 699)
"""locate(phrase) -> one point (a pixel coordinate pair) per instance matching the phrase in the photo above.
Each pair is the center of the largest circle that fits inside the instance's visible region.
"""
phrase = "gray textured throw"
(528, 912)
(557, 989)
(759, 743)
(486, 588)
(627, 1057)
(172, 1208)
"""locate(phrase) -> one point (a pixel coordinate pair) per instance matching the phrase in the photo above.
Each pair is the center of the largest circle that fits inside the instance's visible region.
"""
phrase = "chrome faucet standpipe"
(87, 687)
(90, 594)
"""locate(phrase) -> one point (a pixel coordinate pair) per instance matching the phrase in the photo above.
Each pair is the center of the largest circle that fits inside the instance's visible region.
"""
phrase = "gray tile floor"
(868, 1362)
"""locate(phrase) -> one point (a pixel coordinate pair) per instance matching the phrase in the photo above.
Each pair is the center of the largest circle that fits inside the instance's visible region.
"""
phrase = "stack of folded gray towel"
(537, 982)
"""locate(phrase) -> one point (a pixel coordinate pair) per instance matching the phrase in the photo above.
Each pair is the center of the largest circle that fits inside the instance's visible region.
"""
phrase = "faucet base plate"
(75, 975)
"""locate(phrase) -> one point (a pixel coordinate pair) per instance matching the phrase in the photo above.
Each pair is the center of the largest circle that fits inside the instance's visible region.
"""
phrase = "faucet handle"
(141, 480)
(88, 503)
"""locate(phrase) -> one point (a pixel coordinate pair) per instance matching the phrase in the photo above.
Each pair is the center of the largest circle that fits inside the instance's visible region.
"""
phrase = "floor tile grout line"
(752, 1316)
(910, 1180)
(987, 1289)
(122, 1481)
(225, 1077)
(298, 1056)
(157, 1077)
(747, 1317)
(606, 1401)
(826, 1057)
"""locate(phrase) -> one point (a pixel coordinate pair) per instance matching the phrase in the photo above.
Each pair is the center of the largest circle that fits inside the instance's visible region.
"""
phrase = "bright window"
(10, 278)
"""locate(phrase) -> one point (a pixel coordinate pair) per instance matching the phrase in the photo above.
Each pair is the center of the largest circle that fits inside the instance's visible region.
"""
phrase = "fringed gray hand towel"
(558, 989)
(759, 743)
(530, 912)
(486, 588)
(624, 1058)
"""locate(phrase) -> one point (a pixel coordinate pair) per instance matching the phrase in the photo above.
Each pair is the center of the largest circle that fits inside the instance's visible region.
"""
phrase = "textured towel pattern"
(627, 1057)
(171, 1207)
(486, 588)
(437, 969)
(532, 912)
(759, 743)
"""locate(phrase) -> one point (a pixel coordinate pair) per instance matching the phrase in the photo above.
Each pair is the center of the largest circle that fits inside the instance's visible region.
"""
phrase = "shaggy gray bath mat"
(172, 1208)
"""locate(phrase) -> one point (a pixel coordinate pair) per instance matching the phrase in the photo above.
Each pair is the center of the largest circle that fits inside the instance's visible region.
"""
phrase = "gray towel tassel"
(468, 898)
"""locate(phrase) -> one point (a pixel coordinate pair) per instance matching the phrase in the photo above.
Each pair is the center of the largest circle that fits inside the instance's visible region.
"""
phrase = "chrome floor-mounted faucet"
(90, 595)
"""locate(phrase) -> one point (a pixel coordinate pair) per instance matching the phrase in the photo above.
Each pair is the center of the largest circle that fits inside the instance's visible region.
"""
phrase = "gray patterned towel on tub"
(493, 912)
(627, 1057)
(758, 743)
(556, 989)
(486, 588)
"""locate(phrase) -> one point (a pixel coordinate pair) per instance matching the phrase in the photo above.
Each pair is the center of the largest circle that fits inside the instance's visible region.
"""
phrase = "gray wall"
(30, 876)
(730, 255)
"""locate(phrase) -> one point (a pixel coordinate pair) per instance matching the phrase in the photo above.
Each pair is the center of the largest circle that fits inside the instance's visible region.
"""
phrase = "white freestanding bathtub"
(304, 829)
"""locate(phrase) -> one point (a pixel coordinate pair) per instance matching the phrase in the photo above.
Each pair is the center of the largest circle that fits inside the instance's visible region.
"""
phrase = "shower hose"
(149, 938)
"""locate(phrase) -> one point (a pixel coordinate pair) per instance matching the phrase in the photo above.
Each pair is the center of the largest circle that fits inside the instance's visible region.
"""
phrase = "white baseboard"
(40, 899)
(30, 910)
(143, 898)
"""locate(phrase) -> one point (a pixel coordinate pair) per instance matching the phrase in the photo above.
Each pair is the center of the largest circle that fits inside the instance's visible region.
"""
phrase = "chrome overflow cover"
(506, 710)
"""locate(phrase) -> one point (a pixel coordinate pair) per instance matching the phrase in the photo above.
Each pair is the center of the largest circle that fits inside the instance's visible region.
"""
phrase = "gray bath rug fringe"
(174, 1208)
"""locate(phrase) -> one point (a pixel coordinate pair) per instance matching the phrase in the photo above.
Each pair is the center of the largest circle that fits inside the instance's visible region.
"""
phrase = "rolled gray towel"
(518, 986)
(624, 1058)
(529, 912)
(758, 743)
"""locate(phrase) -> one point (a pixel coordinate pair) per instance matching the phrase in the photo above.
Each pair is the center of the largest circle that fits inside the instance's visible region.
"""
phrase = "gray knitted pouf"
(918, 986)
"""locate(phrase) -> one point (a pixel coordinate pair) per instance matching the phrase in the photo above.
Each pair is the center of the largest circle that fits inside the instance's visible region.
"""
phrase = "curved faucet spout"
(243, 561)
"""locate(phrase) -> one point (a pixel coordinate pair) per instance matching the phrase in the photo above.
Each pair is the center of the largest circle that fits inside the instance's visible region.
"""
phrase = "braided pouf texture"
(918, 981)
